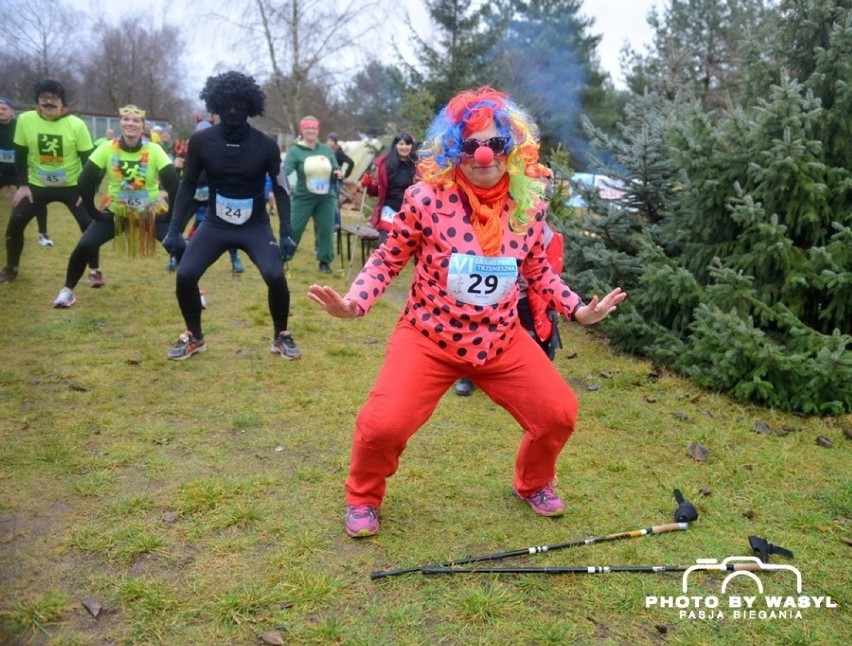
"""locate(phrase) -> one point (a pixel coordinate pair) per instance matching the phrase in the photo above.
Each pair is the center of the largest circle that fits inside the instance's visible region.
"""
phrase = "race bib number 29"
(481, 280)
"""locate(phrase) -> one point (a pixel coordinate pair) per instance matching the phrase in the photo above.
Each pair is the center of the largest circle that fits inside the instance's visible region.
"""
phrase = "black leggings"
(210, 240)
(94, 237)
(41, 214)
(26, 211)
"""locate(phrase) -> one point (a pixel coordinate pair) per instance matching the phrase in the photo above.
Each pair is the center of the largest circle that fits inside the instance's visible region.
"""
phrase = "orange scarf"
(486, 209)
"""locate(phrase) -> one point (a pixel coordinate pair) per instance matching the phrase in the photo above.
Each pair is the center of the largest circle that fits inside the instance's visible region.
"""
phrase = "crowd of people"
(468, 207)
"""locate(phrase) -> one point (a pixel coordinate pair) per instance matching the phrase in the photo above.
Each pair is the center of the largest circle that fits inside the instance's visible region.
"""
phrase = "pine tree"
(742, 278)
(546, 61)
(639, 160)
(698, 49)
(818, 39)
(375, 98)
(463, 57)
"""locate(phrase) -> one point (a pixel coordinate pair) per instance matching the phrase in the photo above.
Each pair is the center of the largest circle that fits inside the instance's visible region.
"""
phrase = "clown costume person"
(471, 225)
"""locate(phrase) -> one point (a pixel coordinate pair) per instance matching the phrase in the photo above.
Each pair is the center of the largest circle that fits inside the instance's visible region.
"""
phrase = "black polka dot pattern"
(431, 227)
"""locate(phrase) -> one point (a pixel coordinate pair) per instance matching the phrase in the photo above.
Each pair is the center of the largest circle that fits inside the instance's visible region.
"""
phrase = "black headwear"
(51, 87)
(223, 88)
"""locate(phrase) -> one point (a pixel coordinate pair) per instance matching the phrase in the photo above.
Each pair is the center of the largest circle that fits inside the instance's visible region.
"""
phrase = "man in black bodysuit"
(237, 158)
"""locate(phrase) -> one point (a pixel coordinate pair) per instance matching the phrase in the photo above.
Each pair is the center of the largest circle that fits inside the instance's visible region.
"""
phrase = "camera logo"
(741, 566)
(695, 604)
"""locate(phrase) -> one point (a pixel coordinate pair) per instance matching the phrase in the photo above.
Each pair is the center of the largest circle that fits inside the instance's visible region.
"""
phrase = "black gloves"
(288, 248)
(173, 242)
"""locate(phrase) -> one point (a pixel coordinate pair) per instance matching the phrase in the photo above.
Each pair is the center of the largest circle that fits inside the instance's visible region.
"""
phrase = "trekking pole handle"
(671, 527)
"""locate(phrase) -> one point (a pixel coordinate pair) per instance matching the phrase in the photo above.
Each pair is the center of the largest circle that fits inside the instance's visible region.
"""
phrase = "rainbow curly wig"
(468, 112)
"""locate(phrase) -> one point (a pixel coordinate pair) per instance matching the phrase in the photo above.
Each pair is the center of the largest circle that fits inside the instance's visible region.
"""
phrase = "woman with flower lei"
(133, 212)
(472, 225)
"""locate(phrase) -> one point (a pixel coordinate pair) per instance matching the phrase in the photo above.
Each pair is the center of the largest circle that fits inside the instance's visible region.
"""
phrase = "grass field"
(200, 502)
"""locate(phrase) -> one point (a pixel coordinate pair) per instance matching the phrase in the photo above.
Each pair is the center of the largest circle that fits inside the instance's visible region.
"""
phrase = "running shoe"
(237, 264)
(324, 268)
(544, 502)
(186, 346)
(96, 278)
(65, 299)
(172, 264)
(44, 240)
(361, 521)
(286, 347)
(203, 299)
(8, 274)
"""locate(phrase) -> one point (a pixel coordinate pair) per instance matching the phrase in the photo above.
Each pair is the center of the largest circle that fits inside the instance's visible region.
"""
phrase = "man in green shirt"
(51, 146)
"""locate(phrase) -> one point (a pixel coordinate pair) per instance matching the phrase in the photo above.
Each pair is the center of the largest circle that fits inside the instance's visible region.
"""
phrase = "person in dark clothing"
(394, 174)
(333, 142)
(237, 159)
(8, 174)
(199, 207)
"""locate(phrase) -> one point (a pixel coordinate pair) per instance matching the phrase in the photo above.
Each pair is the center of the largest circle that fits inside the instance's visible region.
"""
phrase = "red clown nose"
(483, 156)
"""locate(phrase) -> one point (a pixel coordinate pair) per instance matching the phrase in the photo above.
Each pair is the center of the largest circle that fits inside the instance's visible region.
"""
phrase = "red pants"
(416, 374)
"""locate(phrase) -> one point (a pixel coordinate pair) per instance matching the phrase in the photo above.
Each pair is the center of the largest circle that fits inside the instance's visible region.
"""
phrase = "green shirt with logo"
(132, 189)
(53, 158)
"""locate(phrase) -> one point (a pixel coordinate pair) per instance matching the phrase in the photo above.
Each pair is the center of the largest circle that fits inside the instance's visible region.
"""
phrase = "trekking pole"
(338, 214)
(439, 569)
(598, 569)
(363, 201)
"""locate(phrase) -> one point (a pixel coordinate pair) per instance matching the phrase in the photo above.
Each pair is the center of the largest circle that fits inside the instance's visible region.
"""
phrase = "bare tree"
(39, 40)
(131, 64)
(302, 43)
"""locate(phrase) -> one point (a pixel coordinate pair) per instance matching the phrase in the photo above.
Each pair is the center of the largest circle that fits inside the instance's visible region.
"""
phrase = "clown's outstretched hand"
(332, 302)
(598, 309)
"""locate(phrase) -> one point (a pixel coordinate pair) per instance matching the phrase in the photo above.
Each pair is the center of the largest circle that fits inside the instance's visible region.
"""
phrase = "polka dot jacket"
(432, 225)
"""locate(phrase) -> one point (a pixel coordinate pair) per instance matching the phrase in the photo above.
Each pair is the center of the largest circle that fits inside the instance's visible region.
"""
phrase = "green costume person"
(310, 166)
